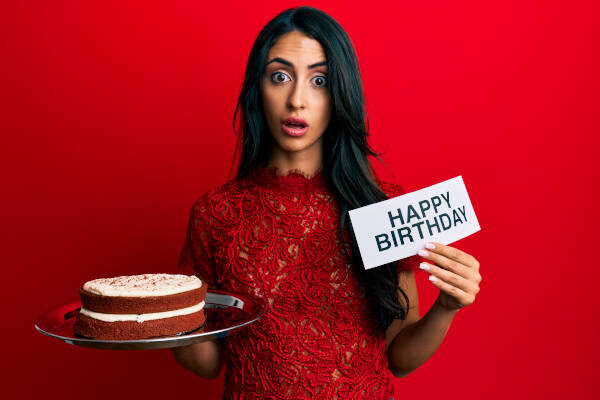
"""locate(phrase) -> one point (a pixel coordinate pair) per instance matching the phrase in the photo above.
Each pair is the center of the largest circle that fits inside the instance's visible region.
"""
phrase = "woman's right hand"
(204, 359)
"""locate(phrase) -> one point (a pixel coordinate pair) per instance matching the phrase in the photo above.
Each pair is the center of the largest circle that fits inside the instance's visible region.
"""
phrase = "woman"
(279, 231)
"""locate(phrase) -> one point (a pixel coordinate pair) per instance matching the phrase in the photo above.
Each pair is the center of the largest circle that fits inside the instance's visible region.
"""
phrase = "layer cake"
(140, 306)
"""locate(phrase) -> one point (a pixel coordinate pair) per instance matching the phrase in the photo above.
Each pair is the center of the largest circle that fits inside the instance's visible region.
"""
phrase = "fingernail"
(423, 253)
(424, 266)
(432, 278)
(430, 246)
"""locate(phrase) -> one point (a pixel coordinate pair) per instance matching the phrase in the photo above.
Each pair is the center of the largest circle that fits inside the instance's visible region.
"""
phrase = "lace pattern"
(276, 237)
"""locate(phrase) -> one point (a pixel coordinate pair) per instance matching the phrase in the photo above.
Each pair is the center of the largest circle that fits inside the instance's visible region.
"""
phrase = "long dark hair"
(346, 167)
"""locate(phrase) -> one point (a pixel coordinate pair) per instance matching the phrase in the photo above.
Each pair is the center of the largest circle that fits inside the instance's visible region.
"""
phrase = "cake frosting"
(143, 285)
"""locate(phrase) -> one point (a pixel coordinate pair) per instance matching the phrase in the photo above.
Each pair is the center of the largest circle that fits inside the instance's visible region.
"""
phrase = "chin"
(294, 145)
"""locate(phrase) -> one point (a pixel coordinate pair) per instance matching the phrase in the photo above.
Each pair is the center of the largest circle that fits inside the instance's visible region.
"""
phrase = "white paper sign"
(397, 228)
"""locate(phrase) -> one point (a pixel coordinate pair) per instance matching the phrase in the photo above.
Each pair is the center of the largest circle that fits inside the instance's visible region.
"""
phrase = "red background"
(116, 116)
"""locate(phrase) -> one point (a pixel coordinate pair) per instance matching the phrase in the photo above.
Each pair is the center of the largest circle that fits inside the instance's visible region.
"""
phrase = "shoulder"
(220, 198)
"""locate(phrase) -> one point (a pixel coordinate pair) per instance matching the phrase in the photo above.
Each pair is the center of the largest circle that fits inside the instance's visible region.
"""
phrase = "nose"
(296, 99)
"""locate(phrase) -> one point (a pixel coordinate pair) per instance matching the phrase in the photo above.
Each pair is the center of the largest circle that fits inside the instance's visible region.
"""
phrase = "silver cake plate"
(225, 312)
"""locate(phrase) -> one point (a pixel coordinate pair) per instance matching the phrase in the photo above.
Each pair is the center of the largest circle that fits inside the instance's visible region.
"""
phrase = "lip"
(294, 131)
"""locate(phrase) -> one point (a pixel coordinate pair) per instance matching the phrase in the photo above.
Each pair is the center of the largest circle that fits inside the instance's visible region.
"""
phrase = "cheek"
(326, 107)
(270, 102)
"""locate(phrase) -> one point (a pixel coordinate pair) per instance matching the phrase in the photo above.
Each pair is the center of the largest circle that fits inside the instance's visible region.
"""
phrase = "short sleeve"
(391, 189)
(196, 257)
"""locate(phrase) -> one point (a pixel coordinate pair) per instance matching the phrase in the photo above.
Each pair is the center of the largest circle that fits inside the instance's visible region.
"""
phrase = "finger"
(453, 253)
(446, 263)
(460, 295)
(451, 278)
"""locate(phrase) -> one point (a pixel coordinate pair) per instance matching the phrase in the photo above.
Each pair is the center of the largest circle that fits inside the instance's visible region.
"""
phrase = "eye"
(276, 75)
(322, 80)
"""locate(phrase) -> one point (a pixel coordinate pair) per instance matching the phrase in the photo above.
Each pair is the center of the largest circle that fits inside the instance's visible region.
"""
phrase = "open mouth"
(295, 122)
(294, 127)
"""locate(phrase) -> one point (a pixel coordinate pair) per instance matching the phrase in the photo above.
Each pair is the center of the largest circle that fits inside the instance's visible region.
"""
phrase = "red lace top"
(275, 237)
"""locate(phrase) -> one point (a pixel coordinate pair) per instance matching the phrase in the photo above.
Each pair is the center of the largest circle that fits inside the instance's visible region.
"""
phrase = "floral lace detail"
(294, 180)
(276, 237)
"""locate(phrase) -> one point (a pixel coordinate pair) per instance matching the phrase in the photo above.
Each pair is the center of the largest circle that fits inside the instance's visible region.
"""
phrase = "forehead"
(298, 48)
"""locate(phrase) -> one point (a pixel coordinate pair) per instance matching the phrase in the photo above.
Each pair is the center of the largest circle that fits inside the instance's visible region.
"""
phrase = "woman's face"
(295, 84)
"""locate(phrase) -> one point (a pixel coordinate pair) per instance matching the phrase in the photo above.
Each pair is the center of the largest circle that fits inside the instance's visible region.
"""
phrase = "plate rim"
(258, 304)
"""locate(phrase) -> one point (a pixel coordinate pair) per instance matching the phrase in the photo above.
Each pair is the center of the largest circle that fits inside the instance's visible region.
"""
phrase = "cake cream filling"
(142, 317)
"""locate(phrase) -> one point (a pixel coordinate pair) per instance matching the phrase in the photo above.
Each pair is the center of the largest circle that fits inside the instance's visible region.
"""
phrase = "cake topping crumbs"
(143, 285)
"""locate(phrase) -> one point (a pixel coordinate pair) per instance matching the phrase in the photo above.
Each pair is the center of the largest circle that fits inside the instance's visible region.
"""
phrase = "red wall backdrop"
(116, 116)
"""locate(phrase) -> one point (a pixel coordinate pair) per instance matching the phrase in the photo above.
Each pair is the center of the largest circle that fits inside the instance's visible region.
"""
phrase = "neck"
(308, 163)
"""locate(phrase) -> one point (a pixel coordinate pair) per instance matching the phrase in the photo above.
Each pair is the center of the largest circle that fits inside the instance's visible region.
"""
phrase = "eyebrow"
(289, 64)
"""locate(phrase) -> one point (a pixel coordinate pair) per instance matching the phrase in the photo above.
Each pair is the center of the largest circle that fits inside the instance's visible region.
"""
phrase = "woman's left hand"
(454, 272)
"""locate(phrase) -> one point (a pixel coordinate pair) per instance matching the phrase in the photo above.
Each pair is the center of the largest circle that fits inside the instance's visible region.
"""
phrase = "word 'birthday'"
(430, 220)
